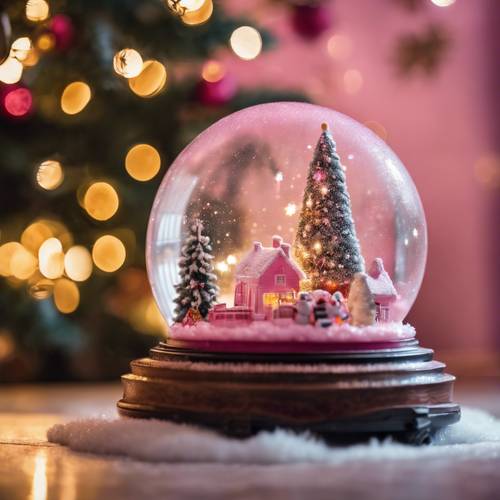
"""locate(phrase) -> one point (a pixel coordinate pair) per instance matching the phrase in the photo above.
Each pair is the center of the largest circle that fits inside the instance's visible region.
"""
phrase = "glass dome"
(244, 177)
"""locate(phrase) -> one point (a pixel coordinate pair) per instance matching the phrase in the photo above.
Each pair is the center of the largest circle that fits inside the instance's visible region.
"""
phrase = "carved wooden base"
(344, 393)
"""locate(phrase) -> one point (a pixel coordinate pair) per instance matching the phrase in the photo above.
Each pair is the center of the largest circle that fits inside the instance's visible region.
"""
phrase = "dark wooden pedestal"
(345, 393)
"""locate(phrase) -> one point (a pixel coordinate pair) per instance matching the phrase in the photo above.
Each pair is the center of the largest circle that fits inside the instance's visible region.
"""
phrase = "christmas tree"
(84, 147)
(326, 244)
(197, 291)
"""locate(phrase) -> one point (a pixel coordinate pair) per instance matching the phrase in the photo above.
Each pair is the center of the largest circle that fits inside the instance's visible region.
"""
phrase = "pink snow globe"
(287, 223)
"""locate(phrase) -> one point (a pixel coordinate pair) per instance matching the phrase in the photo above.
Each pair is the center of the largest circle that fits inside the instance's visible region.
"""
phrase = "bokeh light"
(487, 170)
(339, 47)
(75, 97)
(34, 235)
(50, 175)
(231, 259)
(142, 162)
(7, 250)
(18, 102)
(198, 16)
(212, 71)
(37, 10)
(150, 81)
(46, 42)
(11, 70)
(23, 263)
(353, 81)
(78, 263)
(66, 296)
(443, 3)
(101, 201)
(108, 253)
(41, 289)
(127, 63)
(51, 258)
(246, 42)
(20, 48)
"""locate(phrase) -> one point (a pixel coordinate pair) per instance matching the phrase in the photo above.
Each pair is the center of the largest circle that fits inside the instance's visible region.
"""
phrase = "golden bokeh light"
(11, 70)
(353, 81)
(41, 289)
(246, 42)
(23, 263)
(31, 59)
(20, 48)
(34, 235)
(108, 253)
(487, 170)
(150, 81)
(101, 201)
(37, 10)
(212, 71)
(75, 97)
(231, 260)
(51, 258)
(142, 162)
(49, 175)
(66, 296)
(222, 267)
(291, 209)
(78, 263)
(193, 17)
(127, 63)
(46, 42)
(378, 128)
(7, 251)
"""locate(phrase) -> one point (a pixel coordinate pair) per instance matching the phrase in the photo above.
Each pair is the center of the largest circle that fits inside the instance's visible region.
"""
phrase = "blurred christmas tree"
(97, 98)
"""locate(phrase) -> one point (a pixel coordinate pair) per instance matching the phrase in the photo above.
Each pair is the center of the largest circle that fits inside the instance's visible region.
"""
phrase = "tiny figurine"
(340, 313)
(320, 313)
(197, 289)
(304, 308)
(383, 291)
(360, 301)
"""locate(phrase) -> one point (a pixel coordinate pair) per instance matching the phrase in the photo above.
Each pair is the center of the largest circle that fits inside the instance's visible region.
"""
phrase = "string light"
(108, 253)
(50, 175)
(317, 246)
(20, 48)
(291, 209)
(150, 81)
(127, 63)
(212, 71)
(246, 42)
(101, 201)
(51, 258)
(222, 267)
(142, 162)
(66, 296)
(23, 263)
(37, 10)
(231, 260)
(193, 17)
(11, 70)
(75, 97)
(78, 263)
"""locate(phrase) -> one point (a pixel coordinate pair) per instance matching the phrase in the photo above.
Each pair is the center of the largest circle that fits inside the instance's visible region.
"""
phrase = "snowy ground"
(287, 331)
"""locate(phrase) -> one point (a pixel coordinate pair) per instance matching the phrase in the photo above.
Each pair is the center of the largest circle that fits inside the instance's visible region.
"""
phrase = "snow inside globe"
(287, 222)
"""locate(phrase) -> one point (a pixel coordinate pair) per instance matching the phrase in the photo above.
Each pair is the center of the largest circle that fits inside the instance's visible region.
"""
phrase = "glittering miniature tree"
(326, 244)
(197, 291)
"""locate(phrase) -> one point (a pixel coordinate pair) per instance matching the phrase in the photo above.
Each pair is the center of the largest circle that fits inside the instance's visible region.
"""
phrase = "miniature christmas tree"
(197, 291)
(361, 305)
(326, 244)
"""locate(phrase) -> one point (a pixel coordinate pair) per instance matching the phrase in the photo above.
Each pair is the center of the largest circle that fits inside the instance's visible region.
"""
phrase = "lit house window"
(279, 279)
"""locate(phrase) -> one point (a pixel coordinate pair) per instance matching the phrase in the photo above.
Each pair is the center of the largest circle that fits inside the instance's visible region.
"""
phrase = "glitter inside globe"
(244, 178)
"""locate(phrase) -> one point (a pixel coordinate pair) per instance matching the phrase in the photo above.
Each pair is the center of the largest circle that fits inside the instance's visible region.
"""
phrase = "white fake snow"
(477, 435)
(268, 331)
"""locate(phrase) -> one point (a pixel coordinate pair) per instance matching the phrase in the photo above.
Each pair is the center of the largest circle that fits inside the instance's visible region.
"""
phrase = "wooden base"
(343, 393)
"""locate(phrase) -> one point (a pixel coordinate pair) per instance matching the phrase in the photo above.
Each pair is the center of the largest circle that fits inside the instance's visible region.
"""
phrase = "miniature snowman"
(303, 308)
(320, 313)
(338, 307)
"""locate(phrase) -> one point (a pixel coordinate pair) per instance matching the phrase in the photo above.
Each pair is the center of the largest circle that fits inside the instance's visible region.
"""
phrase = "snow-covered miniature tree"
(197, 290)
(326, 245)
(360, 301)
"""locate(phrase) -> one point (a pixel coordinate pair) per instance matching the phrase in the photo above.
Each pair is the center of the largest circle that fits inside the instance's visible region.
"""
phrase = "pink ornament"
(61, 26)
(216, 93)
(310, 21)
(16, 101)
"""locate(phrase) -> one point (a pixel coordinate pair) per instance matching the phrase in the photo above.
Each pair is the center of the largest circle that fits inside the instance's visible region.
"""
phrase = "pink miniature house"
(267, 277)
(383, 291)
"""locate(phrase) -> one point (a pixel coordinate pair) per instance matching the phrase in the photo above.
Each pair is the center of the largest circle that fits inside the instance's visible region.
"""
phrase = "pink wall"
(439, 126)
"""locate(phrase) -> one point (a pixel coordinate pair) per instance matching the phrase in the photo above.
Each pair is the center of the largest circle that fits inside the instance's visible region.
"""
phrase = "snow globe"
(285, 247)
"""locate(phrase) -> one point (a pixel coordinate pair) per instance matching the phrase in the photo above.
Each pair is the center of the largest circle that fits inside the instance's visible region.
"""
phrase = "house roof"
(255, 263)
(379, 282)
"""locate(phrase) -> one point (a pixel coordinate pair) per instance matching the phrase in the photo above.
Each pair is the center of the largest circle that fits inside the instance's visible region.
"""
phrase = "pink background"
(439, 126)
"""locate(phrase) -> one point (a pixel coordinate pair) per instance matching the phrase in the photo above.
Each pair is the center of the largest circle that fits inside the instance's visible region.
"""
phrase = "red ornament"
(310, 21)
(216, 93)
(192, 317)
(61, 26)
(16, 101)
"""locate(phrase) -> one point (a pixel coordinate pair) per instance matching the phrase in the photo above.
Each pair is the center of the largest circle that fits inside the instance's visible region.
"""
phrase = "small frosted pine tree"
(197, 290)
(360, 302)
(326, 244)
